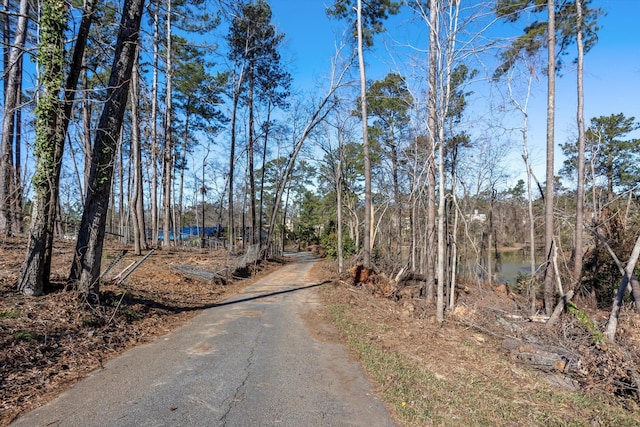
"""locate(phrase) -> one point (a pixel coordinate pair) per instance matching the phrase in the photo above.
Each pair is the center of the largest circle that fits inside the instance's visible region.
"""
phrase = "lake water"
(510, 271)
(512, 264)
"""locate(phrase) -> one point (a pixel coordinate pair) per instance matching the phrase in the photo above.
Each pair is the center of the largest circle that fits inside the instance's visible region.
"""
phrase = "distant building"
(475, 216)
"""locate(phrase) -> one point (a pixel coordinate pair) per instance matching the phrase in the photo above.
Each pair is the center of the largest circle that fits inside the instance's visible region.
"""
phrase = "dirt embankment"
(489, 354)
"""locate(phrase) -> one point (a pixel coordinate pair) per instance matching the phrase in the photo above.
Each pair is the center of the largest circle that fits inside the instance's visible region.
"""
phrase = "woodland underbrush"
(491, 359)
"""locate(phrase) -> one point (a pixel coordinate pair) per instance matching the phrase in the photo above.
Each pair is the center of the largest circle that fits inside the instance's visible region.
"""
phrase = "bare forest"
(177, 128)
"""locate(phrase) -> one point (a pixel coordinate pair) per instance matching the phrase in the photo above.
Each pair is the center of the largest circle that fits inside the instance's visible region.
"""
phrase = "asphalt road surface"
(250, 361)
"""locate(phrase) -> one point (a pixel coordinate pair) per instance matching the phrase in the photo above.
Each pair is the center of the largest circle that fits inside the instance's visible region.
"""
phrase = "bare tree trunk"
(264, 160)
(154, 128)
(445, 96)
(441, 236)
(354, 224)
(232, 154)
(338, 183)
(532, 232)
(76, 70)
(11, 103)
(368, 214)
(339, 216)
(252, 173)
(137, 197)
(244, 211)
(18, 186)
(183, 161)
(635, 293)
(86, 131)
(432, 131)
(454, 248)
(203, 191)
(168, 143)
(121, 210)
(397, 256)
(57, 228)
(414, 235)
(414, 211)
(127, 210)
(6, 39)
(85, 270)
(594, 188)
(489, 263)
(284, 217)
(110, 214)
(549, 190)
(612, 324)
(174, 209)
(578, 239)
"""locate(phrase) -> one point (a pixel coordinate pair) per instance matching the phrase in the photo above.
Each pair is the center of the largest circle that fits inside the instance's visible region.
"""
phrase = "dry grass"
(458, 373)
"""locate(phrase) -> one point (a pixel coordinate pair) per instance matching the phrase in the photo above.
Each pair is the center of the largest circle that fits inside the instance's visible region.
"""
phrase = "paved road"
(249, 362)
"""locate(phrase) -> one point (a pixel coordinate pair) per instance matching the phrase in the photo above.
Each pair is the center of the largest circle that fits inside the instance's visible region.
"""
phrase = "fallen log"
(541, 357)
(411, 276)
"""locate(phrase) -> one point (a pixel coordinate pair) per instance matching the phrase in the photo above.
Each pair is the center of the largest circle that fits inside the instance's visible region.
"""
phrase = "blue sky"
(612, 67)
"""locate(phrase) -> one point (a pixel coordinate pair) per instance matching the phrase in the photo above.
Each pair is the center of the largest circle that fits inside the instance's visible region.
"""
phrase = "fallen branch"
(539, 318)
(117, 279)
(137, 264)
(114, 262)
(556, 312)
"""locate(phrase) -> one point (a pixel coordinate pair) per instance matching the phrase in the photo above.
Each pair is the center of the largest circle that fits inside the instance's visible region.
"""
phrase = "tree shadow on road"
(270, 294)
(131, 300)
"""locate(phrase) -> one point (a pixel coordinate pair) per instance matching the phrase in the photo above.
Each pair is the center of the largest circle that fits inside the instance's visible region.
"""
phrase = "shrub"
(330, 243)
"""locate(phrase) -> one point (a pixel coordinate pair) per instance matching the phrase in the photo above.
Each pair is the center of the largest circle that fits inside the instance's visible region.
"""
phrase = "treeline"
(147, 117)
